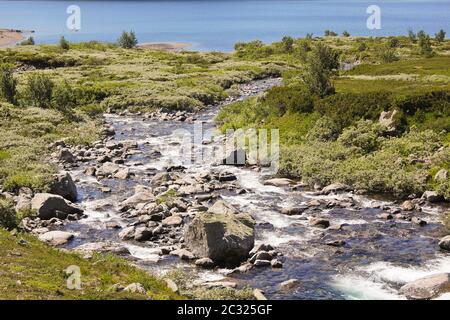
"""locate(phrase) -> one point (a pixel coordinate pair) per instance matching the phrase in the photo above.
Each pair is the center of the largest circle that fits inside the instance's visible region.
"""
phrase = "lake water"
(218, 24)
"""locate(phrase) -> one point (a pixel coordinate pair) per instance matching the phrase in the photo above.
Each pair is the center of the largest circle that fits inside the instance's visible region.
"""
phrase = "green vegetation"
(331, 137)
(185, 278)
(64, 44)
(32, 270)
(7, 84)
(127, 40)
(27, 42)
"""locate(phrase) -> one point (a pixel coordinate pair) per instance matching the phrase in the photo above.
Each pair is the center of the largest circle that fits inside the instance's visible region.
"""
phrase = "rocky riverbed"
(137, 196)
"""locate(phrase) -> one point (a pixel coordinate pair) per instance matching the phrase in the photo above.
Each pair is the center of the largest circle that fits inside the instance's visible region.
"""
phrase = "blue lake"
(218, 24)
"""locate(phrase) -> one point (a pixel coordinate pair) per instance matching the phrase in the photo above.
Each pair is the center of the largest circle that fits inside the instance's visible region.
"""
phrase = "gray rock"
(225, 238)
(292, 211)
(319, 222)
(261, 247)
(56, 238)
(142, 234)
(172, 221)
(275, 263)
(441, 176)
(222, 207)
(428, 287)
(64, 186)
(48, 206)
(388, 120)
(183, 254)
(335, 187)
(279, 182)
(160, 178)
(259, 295)
(66, 156)
(172, 285)
(289, 284)
(135, 288)
(432, 196)
(444, 243)
(127, 233)
(408, 206)
(261, 255)
(261, 263)
(122, 174)
(206, 263)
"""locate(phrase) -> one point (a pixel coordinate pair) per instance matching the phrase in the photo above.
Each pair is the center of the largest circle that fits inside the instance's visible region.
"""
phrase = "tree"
(38, 90)
(440, 36)
(412, 36)
(330, 33)
(346, 33)
(7, 84)
(321, 63)
(425, 46)
(127, 40)
(63, 43)
(287, 44)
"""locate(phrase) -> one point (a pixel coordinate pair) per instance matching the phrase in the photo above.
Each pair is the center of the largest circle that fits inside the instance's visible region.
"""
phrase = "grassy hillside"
(336, 137)
(30, 269)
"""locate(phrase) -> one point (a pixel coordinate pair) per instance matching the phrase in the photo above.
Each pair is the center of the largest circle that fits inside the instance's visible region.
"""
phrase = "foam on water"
(360, 288)
(386, 271)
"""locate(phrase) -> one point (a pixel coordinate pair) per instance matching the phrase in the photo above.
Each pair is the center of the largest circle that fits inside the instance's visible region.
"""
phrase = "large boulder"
(64, 186)
(56, 238)
(224, 238)
(48, 206)
(388, 120)
(428, 287)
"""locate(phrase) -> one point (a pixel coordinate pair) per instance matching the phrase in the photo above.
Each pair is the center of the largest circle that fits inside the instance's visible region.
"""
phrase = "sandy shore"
(9, 37)
(164, 45)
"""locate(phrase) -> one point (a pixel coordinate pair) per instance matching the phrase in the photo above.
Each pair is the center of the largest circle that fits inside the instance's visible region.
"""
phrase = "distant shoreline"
(10, 37)
(164, 45)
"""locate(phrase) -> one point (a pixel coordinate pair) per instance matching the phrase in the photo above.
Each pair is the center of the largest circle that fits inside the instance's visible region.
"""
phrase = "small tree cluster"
(330, 33)
(127, 40)
(440, 36)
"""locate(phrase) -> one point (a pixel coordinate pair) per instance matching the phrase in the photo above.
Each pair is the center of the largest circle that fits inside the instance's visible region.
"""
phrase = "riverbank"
(10, 37)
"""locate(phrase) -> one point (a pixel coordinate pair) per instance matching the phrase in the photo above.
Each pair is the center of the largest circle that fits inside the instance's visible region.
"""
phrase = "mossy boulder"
(223, 237)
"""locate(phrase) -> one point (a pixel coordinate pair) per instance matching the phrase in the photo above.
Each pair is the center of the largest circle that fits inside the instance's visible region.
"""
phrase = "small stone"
(206, 263)
(261, 263)
(319, 222)
(172, 221)
(289, 284)
(56, 238)
(418, 221)
(259, 295)
(135, 288)
(275, 263)
(385, 216)
(172, 285)
(408, 206)
(444, 243)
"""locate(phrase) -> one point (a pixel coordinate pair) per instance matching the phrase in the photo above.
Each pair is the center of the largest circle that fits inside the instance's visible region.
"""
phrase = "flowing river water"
(375, 257)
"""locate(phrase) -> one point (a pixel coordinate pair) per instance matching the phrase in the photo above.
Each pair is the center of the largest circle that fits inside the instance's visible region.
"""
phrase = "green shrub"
(64, 44)
(346, 34)
(27, 42)
(63, 97)
(325, 129)
(387, 54)
(293, 99)
(346, 108)
(38, 90)
(7, 84)
(8, 218)
(364, 136)
(412, 36)
(127, 40)
(425, 45)
(287, 44)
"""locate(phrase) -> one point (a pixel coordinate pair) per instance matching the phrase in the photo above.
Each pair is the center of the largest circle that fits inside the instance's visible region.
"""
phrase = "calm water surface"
(218, 24)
